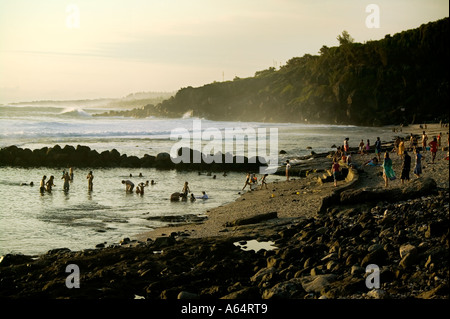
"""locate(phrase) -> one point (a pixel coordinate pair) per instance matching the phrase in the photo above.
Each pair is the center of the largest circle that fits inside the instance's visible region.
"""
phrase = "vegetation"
(399, 79)
(133, 100)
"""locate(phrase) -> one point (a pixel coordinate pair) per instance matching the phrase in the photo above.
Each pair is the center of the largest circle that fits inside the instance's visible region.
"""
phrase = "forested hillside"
(402, 78)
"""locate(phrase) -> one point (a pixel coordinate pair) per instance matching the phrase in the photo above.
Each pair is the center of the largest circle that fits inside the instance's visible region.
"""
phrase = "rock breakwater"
(84, 156)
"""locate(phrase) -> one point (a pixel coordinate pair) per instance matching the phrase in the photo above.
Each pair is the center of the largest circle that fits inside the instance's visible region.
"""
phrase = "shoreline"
(324, 238)
(254, 203)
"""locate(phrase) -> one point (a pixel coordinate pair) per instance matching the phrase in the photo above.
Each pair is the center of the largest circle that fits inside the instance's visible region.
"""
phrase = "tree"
(345, 38)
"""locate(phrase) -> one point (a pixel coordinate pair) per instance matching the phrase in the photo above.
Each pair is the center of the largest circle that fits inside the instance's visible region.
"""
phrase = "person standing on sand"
(433, 149)
(346, 146)
(411, 142)
(263, 181)
(288, 167)
(247, 182)
(418, 167)
(361, 147)
(401, 148)
(378, 148)
(388, 172)
(406, 167)
(424, 141)
(90, 178)
(335, 168)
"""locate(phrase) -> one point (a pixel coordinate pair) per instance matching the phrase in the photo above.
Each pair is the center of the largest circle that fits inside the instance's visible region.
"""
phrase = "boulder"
(285, 290)
(161, 242)
(407, 249)
(164, 161)
(377, 257)
(12, 259)
(252, 220)
(244, 293)
(317, 283)
(175, 197)
(416, 188)
(262, 273)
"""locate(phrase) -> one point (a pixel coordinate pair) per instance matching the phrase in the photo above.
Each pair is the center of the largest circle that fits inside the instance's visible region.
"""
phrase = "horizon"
(79, 50)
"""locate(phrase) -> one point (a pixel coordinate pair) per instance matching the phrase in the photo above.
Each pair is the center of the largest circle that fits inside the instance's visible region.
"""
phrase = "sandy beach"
(301, 198)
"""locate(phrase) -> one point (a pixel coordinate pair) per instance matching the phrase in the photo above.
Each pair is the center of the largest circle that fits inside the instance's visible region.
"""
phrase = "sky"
(86, 49)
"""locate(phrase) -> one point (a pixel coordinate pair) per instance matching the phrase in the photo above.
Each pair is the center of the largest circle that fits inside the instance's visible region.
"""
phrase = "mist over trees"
(402, 78)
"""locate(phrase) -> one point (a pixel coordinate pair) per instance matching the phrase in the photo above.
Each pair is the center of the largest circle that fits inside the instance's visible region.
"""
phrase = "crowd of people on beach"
(343, 155)
(402, 150)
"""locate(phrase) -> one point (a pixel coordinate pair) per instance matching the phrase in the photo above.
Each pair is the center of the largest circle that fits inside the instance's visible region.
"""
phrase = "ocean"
(31, 223)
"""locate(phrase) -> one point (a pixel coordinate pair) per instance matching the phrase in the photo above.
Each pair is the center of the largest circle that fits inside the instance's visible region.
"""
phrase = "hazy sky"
(126, 46)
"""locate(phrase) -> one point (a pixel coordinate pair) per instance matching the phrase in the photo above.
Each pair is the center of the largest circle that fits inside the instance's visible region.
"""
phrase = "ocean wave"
(47, 134)
(73, 111)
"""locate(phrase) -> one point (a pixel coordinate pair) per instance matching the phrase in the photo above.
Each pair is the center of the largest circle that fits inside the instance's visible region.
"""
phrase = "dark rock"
(317, 283)
(291, 289)
(408, 260)
(175, 197)
(187, 295)
(164, 161)
(11, 259)
(437, 228)
(416, 188)
(345, 287)
(245, 293)
(252, 220)
(441, 290)
(377, 257)
(162, 242)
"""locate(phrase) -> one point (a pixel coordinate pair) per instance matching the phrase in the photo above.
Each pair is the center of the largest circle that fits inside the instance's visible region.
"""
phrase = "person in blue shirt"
(204, 196)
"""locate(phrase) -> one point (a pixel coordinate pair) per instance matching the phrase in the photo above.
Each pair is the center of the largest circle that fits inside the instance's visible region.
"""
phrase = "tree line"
(401, 78)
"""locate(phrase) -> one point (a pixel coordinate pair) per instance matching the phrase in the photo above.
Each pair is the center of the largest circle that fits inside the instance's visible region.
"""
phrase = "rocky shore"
(323, 237)
(324, 256)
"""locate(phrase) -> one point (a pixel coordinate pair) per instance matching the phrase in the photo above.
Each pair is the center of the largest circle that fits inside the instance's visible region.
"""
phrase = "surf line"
(232, 138)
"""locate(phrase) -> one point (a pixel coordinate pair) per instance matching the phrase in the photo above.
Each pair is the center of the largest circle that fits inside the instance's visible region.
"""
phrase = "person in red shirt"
(433, 149)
